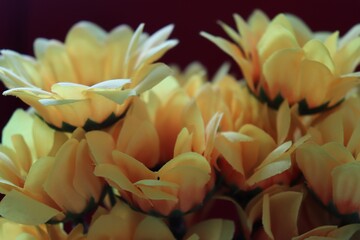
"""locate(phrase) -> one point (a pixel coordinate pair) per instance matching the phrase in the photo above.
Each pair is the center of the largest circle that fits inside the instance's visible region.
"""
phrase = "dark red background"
(21, 21)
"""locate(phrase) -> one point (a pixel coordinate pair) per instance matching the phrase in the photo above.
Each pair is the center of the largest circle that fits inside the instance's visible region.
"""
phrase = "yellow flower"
(158, 168)
(89, 80)
(301, 214)
(330, 161)
(222, 93)
(259, 156)
(281, 59)
(121, 222)
(14, 231)
(44, 174)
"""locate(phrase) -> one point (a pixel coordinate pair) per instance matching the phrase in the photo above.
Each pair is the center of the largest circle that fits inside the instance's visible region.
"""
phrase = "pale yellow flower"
(330, 161)
(89, 80)
(158, 167)
(285, 212)
(122, 222)
(44, 174)
(281, 59)
(259, 156)
(221, 93)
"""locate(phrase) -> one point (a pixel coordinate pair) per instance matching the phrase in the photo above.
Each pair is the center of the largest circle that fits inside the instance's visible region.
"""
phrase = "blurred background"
(22, 21)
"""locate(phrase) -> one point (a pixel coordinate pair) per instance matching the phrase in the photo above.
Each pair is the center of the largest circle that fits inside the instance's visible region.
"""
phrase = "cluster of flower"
(115, 146)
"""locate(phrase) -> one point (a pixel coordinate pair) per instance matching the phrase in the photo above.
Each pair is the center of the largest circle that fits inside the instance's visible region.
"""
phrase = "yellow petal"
(15, 126)
(101, 146)
(331, 43)
(183, 142)
(284, 221)
(283, 119)
(84, 44)
(346, 191)
(23, 152)
(115, 50)
(276, 38)
(266, 216)
(269, 171)
(117, 178)
(157, 72)
(22, 72)
(286, 82)
(157, 189)
(228, 47)
(211, 131)
(194, 122)
(347, 58)
(316, 165)
(54, 58)
(317, 52)
(20, 208)
(132, 47)
(302, 31)
(60, 182)
(85, 183)
(315, 77)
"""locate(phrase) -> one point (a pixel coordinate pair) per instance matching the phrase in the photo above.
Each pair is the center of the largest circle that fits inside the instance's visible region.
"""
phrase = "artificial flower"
(21, 149)
(187, 128)
(221, 93)
(253, 157)
(42, 181)
(269, 219)
(89, 80)
(281, 59)
(142, 168)
(122, 222)
(330, 161)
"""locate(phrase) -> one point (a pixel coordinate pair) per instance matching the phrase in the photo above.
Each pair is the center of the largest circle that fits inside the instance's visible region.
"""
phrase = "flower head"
(46, 177)
(157, 169)
(122, 222)
(256, 155)
(282, 59)
(90, 79)
(330, 160)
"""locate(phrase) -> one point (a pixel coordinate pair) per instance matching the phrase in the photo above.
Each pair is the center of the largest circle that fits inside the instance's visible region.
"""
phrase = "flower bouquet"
(116, 145)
